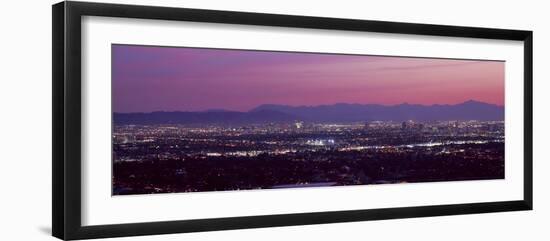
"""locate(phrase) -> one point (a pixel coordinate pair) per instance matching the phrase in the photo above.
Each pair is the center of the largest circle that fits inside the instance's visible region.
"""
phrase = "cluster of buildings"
(165, 158)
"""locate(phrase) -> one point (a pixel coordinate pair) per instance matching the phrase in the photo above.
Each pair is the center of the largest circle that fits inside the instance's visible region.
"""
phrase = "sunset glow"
(147, 79)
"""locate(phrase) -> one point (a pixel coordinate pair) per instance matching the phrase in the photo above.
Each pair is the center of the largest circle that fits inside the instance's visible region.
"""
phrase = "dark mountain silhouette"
(469, 110)
(341, 112)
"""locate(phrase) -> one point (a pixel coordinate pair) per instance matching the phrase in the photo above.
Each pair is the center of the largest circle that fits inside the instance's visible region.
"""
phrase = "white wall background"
(25, 122)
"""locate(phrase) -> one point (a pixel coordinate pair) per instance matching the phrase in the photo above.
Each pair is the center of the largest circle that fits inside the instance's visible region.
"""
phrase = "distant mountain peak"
(468, 110)
(469, 102)
(340, 112)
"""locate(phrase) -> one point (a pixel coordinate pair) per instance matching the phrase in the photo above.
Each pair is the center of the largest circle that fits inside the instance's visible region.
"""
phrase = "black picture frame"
(66, 169)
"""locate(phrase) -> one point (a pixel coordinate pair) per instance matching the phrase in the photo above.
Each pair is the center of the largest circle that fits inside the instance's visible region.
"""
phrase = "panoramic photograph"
(188, 119)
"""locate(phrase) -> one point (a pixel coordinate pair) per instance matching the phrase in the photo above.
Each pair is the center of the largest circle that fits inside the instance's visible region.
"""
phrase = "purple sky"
(149, 79)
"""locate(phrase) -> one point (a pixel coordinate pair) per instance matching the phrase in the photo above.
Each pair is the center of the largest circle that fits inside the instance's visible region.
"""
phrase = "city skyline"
(201, 120)
(153, 158)
(148, 79)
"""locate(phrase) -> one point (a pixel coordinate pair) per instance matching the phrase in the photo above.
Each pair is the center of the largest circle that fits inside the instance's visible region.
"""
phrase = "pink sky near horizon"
(146, 79)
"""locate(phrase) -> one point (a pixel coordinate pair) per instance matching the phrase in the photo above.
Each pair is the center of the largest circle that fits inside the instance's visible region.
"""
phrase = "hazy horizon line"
(214, 109)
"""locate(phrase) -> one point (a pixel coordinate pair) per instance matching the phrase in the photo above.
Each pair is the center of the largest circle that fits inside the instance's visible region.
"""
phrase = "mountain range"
(341, 112)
